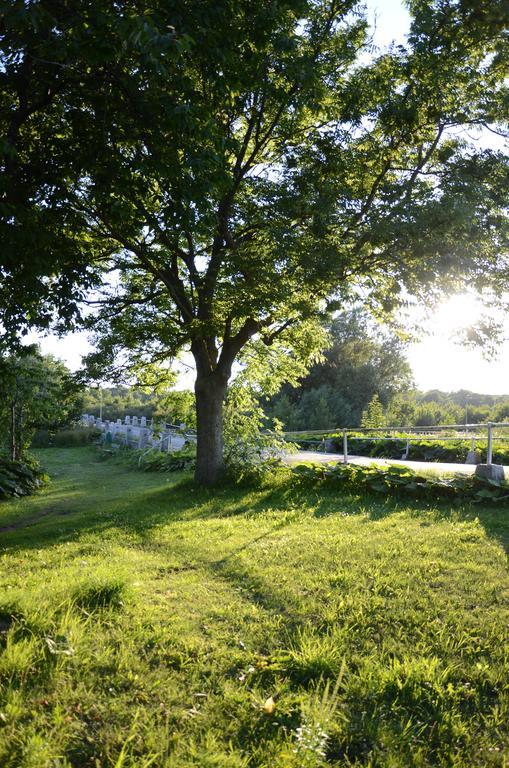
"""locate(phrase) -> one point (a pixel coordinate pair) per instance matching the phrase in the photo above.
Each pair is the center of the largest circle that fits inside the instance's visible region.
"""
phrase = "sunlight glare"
(440, 361)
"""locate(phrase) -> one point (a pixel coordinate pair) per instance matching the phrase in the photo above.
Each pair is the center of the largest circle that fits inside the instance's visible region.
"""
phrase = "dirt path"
(27, 521)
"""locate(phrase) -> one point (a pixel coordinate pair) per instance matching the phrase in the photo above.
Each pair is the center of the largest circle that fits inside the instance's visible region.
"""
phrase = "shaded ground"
(146, 622)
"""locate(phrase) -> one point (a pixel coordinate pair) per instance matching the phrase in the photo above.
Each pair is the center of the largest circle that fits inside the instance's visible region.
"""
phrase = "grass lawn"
(146, 622)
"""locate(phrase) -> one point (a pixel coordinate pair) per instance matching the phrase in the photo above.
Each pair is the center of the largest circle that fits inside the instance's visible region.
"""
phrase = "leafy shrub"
(65, 438)
(251, 451)
(151, 459)
(401, 480)
(20, 478)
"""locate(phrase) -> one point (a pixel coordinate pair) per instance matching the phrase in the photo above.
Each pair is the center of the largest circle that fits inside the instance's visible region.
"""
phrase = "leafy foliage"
(250, 448)
(20, 478)
(38, 392)
(362, 359)
(401, 480)
(153, 460)
(325, 406)
(373, 417)
(239, 167)
(425, 409)
(65, 438)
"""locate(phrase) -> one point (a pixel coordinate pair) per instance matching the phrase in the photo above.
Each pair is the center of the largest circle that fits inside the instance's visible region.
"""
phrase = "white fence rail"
(136, 432)
(478, 435)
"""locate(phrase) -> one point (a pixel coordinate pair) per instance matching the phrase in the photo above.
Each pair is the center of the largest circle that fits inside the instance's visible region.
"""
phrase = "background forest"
(363, 379)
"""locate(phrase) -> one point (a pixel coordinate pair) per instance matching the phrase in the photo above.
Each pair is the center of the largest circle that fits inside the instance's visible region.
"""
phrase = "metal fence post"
(345, 447)
(489, 458)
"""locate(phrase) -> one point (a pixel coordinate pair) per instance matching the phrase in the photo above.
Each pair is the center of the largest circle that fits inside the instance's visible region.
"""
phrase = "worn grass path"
(146, 622)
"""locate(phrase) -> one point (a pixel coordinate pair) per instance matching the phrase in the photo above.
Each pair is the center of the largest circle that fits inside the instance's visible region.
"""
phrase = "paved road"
(434, 466)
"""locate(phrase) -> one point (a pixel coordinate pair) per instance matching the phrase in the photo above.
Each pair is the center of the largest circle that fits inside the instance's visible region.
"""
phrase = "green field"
(146, 622)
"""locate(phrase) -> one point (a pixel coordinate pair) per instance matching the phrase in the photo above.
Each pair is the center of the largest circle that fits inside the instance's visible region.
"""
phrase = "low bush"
(160, 461)
(400, 480)
(20, 478)
(152, 460)
(454, 451)
(65, 438)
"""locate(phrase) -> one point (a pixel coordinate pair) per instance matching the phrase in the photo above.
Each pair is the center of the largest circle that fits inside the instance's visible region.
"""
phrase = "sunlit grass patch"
(286, 626)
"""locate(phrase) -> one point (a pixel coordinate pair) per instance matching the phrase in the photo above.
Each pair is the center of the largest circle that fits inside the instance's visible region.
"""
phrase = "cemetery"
(137, 433)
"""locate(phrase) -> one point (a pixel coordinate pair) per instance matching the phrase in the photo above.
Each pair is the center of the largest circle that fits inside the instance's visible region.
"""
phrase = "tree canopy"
(38, 392)
(222, 172)
(363, 360)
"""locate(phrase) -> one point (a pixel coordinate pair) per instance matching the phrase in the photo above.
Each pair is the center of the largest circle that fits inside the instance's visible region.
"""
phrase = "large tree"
(363, 359)
(223, 168)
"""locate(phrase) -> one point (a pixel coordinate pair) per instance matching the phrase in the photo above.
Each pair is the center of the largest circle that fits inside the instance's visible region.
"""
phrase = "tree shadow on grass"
(58, 516)
(96, 497)
(254, 589)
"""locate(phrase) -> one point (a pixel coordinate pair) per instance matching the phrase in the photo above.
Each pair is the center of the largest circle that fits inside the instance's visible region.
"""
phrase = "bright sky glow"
(438, 361)
(70, 348)
(389, 19)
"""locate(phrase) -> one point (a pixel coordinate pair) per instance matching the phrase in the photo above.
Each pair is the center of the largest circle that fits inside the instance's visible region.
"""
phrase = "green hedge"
(403, 481)
(20, 478)
(65, 438)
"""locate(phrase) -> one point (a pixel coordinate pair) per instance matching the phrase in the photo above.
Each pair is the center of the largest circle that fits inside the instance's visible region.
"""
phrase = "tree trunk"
(19, 438)
(210, 393)
(13, 432)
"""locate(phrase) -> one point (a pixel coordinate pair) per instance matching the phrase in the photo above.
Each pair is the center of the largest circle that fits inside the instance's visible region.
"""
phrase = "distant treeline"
(117, 402)
(423, 409)
(364, 379)
(314, 409)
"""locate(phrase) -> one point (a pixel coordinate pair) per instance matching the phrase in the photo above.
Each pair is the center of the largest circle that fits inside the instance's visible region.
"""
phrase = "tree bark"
(210, 391)
(13, 432)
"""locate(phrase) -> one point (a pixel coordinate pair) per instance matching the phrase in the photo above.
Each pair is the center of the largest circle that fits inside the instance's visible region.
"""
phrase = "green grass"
(146, 622)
